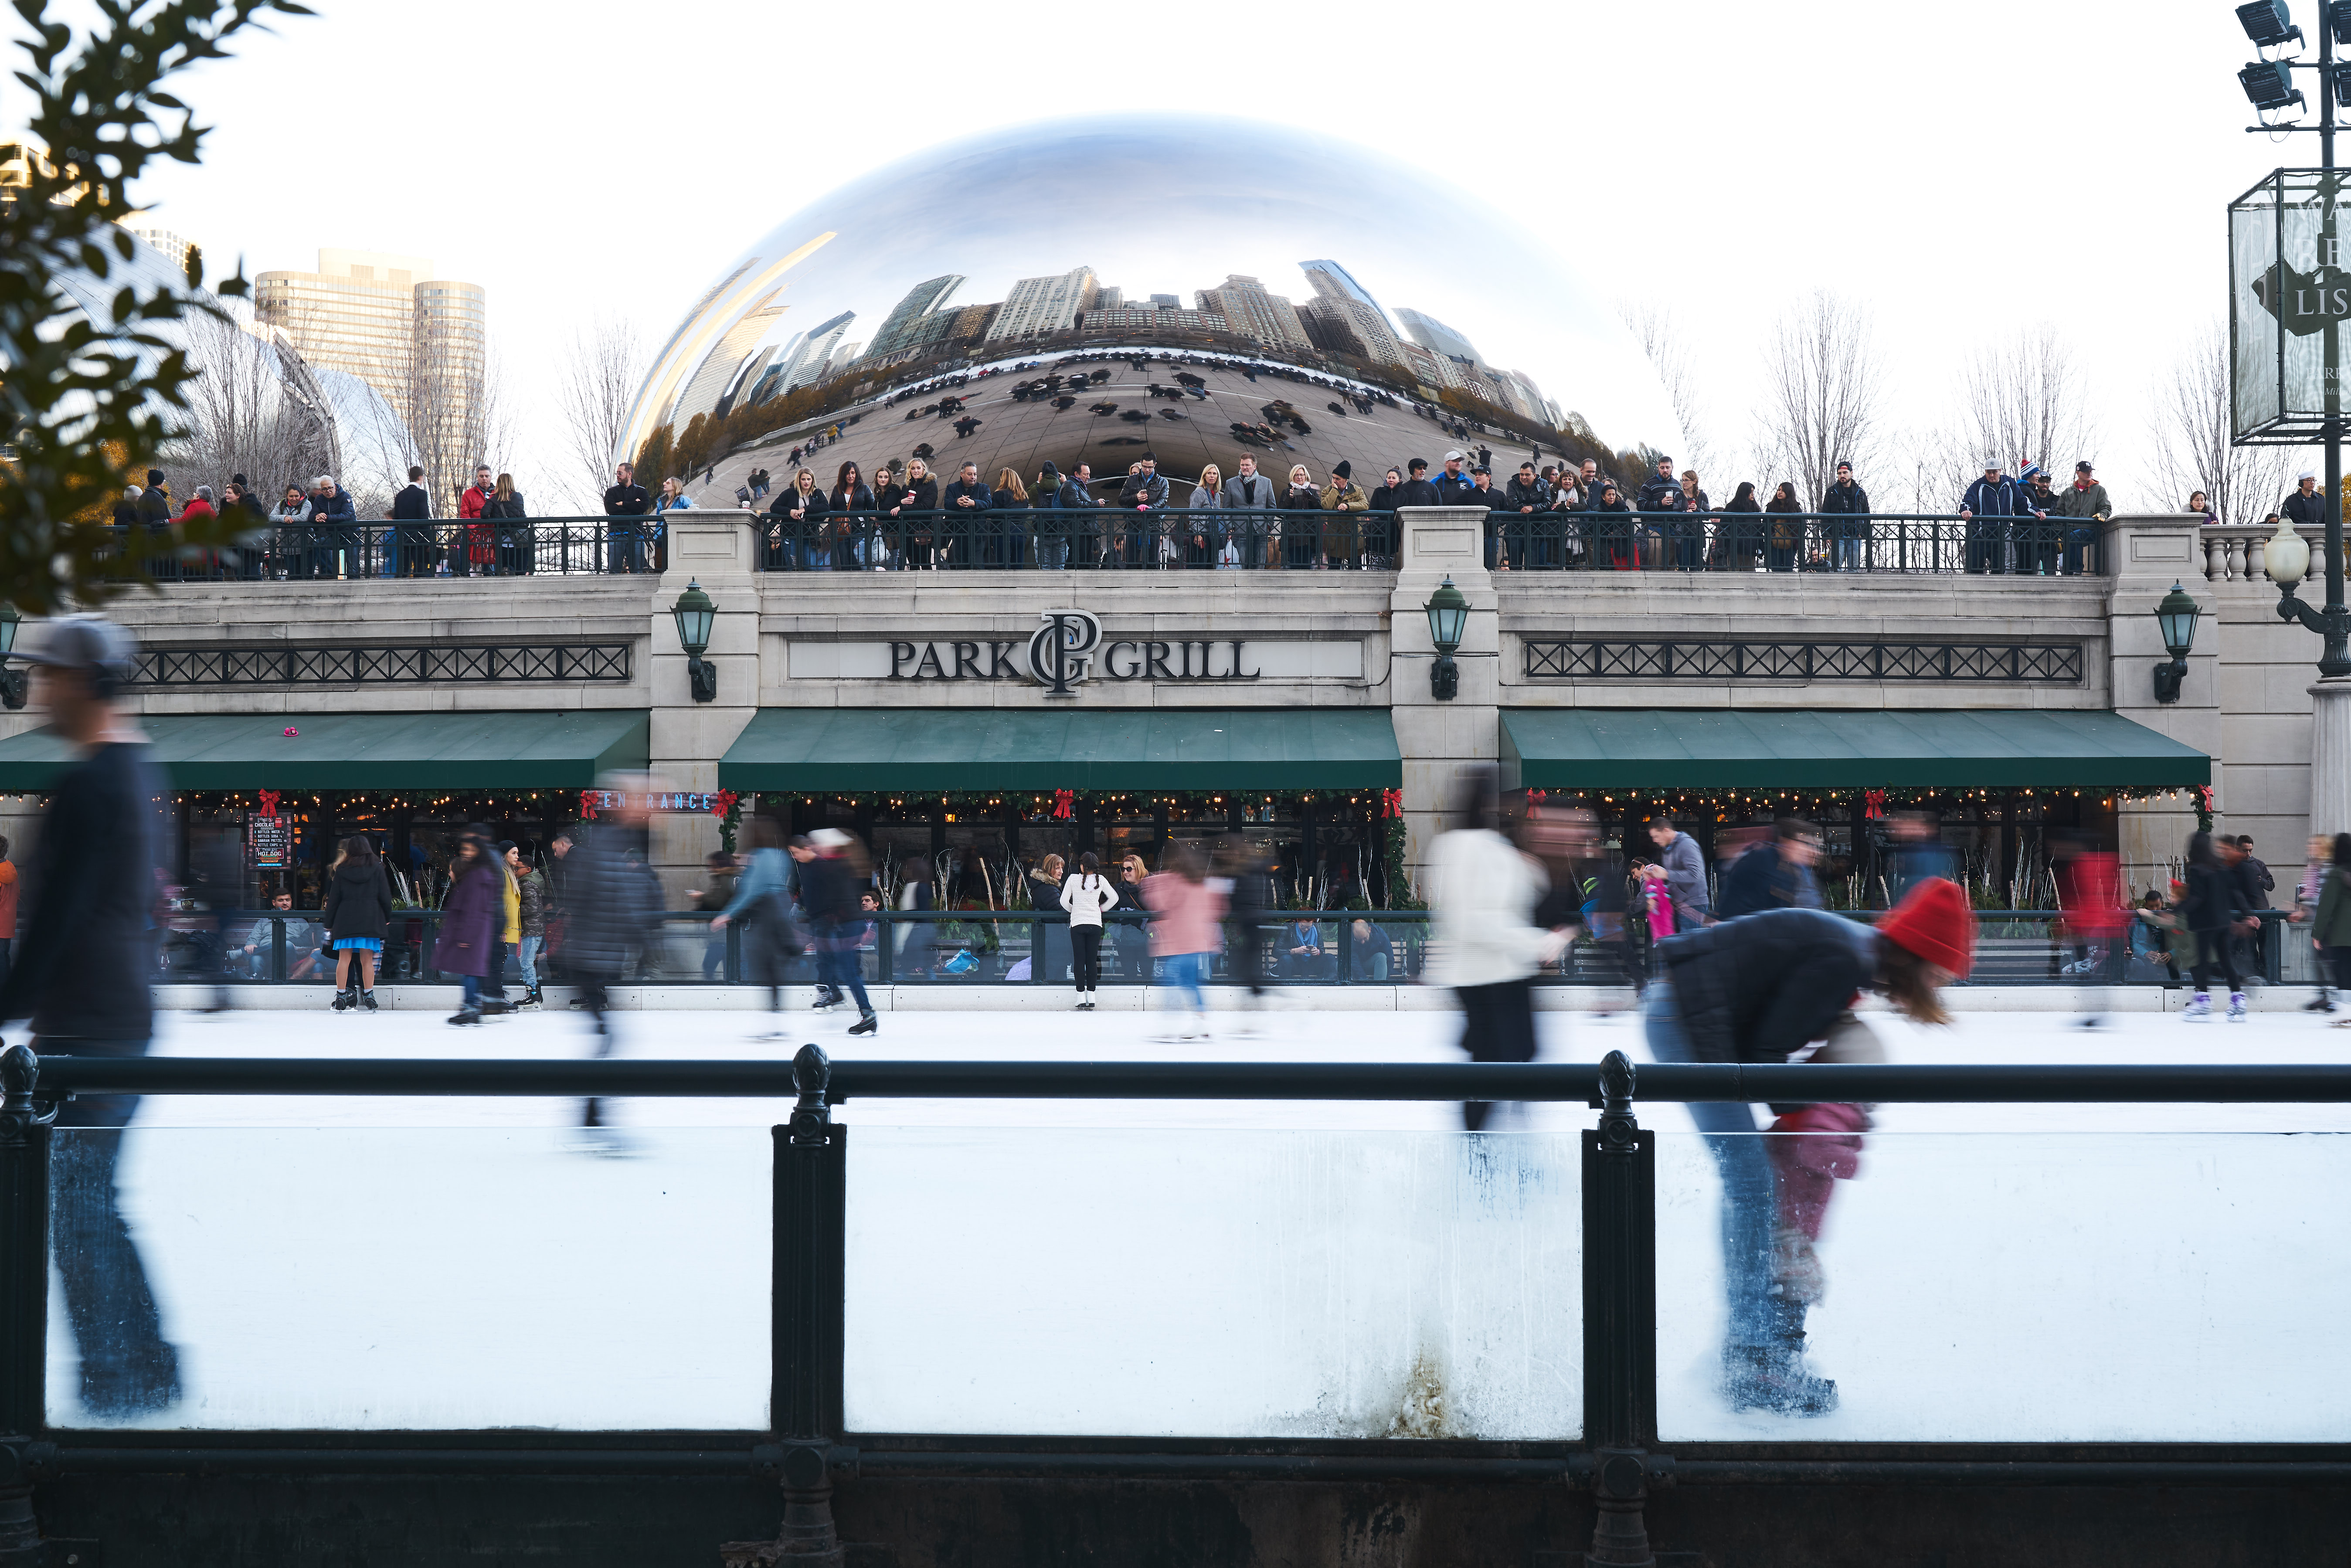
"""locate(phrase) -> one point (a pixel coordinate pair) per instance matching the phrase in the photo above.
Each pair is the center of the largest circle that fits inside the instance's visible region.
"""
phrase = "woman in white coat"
(1086, 895)
(1482, 893)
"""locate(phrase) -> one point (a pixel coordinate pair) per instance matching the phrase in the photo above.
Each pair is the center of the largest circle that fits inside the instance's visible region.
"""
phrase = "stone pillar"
(2147, 554)
(714, 548)
(2330, 756)
(1437, 737)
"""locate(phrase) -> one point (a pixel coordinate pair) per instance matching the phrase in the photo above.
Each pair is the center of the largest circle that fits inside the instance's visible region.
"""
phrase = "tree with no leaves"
(598, 385)
(2189, 424)
(1652, 326)
(1822, 385)
(2023, 400)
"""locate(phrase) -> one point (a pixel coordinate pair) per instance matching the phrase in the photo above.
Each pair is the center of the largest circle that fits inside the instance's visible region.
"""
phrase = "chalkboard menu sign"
(269, 842)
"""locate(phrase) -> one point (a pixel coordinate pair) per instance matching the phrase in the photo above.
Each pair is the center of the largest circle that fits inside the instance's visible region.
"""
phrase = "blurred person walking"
(471, 915)
(1185, 911)
(2317, 860)
(1777, 875)
(2213, 912)
(2330, 925)
(721, 876)
(831, 882)
(1087, 897)
(9, 890)
(82, 974)
(1758, 990)
(359, 918)
(609, 909)
(1484, 942)
(2091, 918)
(1249, 895)
(762, 895)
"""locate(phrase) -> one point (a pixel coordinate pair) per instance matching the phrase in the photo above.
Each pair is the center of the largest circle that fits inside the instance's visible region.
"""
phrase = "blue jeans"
(1052, 553)
(839, 966)
(1747, 1207)
(527, 960)
(1183, 971)
(1848, 554)
(472, 985)
(128, 1367)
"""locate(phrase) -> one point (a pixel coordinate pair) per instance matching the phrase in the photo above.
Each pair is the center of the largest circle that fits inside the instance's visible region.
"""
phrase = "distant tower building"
(1439, 338)
(421, 342)
(1433, 372)
(1167, 302)
(1328, 329)
(1338, 296)
(815, 351)
(901, 327)
(176, 249)
(1039, 306)
(722, 367)
(1254, 313)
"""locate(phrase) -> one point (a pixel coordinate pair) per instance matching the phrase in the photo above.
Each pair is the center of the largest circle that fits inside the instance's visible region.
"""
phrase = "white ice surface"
(1202, 1268)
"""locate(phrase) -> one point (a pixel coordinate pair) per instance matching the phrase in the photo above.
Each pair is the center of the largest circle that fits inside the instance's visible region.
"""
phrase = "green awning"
(407, 751)
(1839, 748)
(839, 749)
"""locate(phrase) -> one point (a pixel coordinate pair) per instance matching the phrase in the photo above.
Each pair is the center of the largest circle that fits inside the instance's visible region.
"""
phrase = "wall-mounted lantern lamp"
(2177, 616)
(695, 614)
(1448, 616)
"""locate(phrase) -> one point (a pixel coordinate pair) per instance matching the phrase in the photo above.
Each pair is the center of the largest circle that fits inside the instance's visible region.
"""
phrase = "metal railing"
(807, 1448)
(984, 948)
(1111, 537)
(369, 548)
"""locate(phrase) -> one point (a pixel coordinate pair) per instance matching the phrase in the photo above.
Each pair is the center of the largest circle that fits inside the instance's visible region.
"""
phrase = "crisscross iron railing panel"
(383, 665)
(1671, 659)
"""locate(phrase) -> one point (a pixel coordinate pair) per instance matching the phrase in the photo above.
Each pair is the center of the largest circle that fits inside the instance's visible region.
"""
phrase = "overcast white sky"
(1965, 171)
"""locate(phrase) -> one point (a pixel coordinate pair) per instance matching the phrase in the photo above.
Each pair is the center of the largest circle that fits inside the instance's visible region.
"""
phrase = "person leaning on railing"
(1145, 491)
(907, 503)
(850, 527)
(966, 502)
(2085, 507)
(334, 526)
(1248, 491)
(1200, 544)
(1341, 498)
(1989, 509)
(1007, 532)
(1300, 538)
(625, 499)
(1077, 535)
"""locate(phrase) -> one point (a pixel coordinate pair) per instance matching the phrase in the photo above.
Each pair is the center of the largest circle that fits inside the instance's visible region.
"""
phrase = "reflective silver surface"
(1104, 238)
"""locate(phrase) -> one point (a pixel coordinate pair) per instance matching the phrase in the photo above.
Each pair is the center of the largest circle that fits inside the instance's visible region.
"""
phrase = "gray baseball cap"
(86, 643)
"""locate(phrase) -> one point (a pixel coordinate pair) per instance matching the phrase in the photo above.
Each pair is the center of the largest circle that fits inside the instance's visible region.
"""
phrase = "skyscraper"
(722, 367)
(1332, 281)
(815, 351)
(1439, 338)
(901, 327)
(1039, 306)
(1338, 298)
(421, 342)
(1252, 312)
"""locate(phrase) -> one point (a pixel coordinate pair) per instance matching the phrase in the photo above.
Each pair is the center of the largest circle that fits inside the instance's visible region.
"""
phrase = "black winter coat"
(358, 901)
(2215, 899)
(609, 905)
(1763, 988)
(1415, 493)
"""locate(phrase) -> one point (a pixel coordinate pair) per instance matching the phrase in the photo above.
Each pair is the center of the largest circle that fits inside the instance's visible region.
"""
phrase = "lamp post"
(2177, 616)
(14, 685)
(1449, 614)
(695, 613)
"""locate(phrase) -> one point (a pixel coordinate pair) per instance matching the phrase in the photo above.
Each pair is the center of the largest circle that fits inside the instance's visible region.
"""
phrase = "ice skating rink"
(2016, 1273)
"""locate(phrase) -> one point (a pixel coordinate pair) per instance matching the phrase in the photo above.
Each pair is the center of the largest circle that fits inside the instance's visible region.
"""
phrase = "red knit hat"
(1934, 922)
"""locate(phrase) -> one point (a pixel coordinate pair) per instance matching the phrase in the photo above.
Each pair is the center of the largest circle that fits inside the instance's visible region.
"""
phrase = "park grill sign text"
(1067, 649)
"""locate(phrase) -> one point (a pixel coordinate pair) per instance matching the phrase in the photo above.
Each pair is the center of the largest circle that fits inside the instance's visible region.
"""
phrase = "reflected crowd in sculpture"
(1085, 291)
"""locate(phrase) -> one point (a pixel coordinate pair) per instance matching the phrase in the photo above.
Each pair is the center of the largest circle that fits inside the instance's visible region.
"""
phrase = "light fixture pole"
(1448, 618)
(695, 614)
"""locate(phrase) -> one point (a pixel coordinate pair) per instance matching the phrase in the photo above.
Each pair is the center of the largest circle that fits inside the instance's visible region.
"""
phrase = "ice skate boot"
(827, 998)
(465, 1016)
(532, 1001)
(345, 998)
(367, 1001)
(2236, 1007)
(2199, 1008)
(866, 1024)
(1758, 1378)
(2323, 1002)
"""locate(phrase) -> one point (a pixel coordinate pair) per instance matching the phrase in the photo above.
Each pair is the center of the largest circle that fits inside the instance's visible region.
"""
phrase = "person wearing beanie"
(1762, 988)
(1341, 547)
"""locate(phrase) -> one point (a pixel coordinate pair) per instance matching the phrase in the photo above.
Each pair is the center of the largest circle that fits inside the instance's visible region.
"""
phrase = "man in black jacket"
(2304, 509)
(1416, 490)
(1849, 503)
(81, 973)
(965, 501)
(1528, 498)
(626, 498)
(1453, 486)
(1774, 875)
(411, 510)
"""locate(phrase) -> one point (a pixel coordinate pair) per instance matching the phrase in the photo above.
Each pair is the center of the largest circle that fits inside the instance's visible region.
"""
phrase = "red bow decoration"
(1873, 802)
(723, 802)
(268, 801)
(1064, 804)
(2204, 799)
(291, 732)
(588, 802)
(1391, 803)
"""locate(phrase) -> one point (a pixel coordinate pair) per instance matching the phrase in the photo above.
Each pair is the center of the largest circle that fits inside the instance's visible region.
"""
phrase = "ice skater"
(763, 898)
(1185, 912)
(2330, 927)
(1086, 897)
(358, 916)
(830, 883)
(1485, 946)
(611, 909)
(1759, 989)
(2213, 914)
(80, 974)
(470, 917)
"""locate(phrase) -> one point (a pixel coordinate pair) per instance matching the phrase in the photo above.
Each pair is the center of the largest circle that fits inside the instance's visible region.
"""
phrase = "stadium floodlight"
(2267, 23)
(2338, 22)
(2270, 84)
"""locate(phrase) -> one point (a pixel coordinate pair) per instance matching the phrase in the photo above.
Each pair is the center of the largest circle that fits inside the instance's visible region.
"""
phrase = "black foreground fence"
(1116, 539)
(990, 948)
(807, 1451)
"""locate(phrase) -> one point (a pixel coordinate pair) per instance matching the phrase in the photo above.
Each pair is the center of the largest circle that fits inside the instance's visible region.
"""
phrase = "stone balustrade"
(2233, 551)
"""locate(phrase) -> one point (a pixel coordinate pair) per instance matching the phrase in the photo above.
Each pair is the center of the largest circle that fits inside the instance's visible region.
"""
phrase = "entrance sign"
(2290, 300)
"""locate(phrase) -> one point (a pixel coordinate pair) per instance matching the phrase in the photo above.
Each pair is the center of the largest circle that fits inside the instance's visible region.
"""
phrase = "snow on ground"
(1185, 1268)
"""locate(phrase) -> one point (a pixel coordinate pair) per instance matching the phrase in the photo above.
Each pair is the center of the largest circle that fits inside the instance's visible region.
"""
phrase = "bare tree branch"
(593, 392)
(1823, 383)
(2021, 401)
(1652, 326)
(2189, 424)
